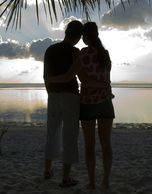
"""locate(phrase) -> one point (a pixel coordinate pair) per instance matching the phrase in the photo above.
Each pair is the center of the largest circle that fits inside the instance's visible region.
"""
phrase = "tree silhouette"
(13, 8)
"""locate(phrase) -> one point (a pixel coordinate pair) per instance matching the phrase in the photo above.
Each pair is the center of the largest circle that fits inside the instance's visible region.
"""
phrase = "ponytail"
(90, 30)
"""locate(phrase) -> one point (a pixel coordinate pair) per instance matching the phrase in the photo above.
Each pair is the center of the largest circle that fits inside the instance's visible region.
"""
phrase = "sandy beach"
(21, 162)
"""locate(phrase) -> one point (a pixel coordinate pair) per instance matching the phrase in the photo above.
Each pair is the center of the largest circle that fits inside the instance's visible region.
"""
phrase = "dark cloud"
(13, 50)
(137, 13)
(36, 49)
(148, 34)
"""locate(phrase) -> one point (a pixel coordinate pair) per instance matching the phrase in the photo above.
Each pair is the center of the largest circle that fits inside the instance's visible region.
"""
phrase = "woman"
(96, 104)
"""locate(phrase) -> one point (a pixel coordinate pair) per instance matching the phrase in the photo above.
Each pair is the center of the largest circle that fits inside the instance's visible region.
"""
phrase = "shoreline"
(126, 125)
(117, 84)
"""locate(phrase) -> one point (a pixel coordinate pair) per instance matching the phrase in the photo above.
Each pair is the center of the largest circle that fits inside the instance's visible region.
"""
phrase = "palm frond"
(123, 4)
(49, 8)
(13, 8)
(37, 10)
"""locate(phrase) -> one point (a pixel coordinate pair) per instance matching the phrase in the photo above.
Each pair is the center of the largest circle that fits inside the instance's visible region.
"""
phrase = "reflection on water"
(23, 105)
(132, 105)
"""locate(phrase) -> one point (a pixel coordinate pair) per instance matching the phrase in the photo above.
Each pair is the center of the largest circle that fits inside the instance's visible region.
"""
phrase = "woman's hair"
(90, 30)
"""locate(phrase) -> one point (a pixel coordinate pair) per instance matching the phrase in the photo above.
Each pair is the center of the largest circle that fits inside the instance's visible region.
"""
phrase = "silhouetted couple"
(66, 105)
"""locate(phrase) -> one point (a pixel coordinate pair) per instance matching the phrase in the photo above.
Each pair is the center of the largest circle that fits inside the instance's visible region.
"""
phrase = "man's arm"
(87, 81)
(76, 69)
(69, 75)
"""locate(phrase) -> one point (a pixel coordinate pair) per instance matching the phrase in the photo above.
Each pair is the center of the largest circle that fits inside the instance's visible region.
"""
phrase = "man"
(63, 104)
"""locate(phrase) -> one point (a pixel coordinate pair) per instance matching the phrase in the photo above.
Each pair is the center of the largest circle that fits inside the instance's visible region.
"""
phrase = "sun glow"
(31, 2)
(21, 71)
(126, 47)
(130, 53)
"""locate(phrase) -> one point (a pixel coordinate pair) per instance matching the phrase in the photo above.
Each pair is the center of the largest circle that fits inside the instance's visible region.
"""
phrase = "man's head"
(73, 31)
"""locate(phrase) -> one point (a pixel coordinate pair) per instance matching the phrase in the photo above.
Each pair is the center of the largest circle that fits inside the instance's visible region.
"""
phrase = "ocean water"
(28, 103)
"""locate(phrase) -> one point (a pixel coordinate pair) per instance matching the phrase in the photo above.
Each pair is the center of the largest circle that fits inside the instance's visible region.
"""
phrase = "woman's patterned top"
(92, 67)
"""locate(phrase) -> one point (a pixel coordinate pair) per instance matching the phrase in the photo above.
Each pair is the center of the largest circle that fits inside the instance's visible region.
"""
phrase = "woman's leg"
(89, 137)
(104, 131)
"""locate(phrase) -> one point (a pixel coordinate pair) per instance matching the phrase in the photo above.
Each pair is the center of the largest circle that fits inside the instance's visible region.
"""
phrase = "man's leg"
(48, 172)
(53, 133)
(71, 106)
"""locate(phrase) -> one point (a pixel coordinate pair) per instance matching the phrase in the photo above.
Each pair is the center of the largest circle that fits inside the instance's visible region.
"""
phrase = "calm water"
(132, 105)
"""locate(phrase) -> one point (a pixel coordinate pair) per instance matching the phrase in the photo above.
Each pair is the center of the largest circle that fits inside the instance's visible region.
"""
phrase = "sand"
(21, 162)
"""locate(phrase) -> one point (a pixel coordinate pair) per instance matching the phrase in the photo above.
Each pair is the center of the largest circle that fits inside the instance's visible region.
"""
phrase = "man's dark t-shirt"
(58, 59)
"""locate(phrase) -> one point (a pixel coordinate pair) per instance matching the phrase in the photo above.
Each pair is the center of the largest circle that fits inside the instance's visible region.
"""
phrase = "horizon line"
(113, 85)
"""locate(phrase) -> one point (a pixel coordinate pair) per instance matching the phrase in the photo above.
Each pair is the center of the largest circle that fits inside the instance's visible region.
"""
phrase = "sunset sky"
(126, 34)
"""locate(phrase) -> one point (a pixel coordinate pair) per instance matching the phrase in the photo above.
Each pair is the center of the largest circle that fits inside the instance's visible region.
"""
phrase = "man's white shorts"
(62, 126)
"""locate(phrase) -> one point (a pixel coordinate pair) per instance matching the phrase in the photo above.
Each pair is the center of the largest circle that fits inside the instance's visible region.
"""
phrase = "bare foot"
(48, 174)
(90, 187)
(105, 185)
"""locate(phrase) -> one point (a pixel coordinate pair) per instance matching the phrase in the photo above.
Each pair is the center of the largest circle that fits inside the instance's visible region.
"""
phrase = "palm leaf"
(5, 9)
(49, 8)
(13, 8)
(54, 9)
(37, 11)
(61, 8)
(2, 3)
(45, 10)
(13, 13)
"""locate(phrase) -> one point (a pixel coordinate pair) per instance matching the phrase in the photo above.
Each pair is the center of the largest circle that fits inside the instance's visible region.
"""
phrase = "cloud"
(35, 49)
(31, 29)
(62, 25)
(38, 48)
(13, 50)
(137, 13)
(148, 34)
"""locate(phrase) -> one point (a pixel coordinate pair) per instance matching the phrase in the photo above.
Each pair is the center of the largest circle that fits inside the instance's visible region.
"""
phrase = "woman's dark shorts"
(101, 110)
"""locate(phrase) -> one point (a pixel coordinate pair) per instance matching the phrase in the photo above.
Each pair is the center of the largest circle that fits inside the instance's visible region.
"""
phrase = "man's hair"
(74, 29)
